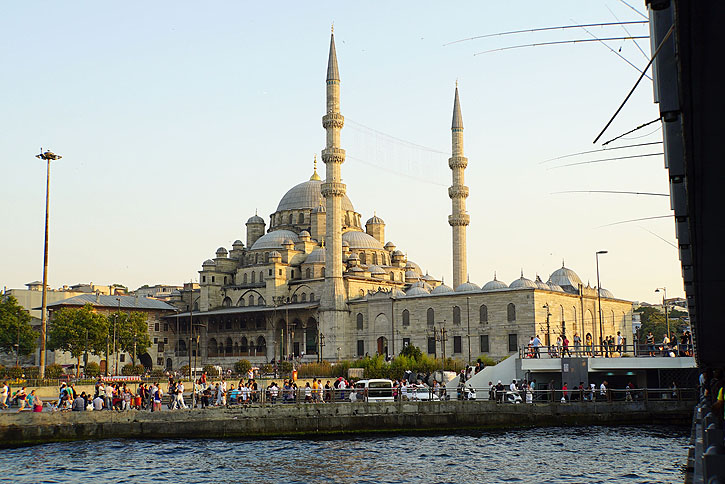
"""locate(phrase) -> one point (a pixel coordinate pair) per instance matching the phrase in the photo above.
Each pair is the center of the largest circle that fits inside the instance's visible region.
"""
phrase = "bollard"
(713, 463)
(713, 436)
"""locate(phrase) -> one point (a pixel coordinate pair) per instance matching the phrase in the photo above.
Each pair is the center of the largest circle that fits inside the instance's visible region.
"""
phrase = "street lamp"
(115, 354)
(48, 156)
(599, 298)
(548, 327)
(468, 318)
(664, 304)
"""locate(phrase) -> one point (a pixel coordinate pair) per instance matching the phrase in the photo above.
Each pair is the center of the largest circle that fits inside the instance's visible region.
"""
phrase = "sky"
(178, 120)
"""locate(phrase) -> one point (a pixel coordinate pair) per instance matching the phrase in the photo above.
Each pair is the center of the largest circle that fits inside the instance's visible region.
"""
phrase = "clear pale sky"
(177, 120)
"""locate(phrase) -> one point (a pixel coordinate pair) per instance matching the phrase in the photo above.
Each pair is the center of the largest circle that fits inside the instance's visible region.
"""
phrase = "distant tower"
(255, 229)
(333, 301)
(459, 219)
(375, 226)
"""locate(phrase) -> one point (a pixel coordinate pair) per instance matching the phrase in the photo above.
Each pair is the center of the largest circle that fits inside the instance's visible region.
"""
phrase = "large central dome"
(307, 195)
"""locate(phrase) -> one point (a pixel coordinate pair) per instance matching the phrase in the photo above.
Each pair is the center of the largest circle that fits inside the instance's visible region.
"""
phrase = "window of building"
(156, 327)
(457, 344)
(312, 296)
(406, 342)
(406, 317)
(294, 298)
(360, 347)
(513, 342)
(122, 358)
(322, 272)
(261, 276)
(260, 301)
(301, 218)
(304, 297)
(307, 273)
(244, 278)
(359, 321)
(254, 277)
(483, 313)
(456, 315)
(203, 278)
(160, 349)
(251, 299)
(290, 219)
(375, 258)
(484, 343)
(212, 278)
(160, 361)
(363, 258)
(431, 345)
(511, 312)
(292, 274)
(225, 279)
(166, 340)
(156, 340)
(430, 317)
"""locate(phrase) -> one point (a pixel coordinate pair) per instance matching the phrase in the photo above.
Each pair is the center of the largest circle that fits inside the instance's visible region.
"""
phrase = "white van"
(374, 390)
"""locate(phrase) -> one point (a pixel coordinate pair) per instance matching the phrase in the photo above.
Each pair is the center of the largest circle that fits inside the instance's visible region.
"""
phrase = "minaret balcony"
(333, 120)
(457, 162)
(459, 219)
(333, 155)
(458, 191)
(333, 189)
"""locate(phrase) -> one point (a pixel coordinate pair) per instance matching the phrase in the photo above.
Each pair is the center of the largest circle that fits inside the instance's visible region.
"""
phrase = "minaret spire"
(333, 304)
(458, 192)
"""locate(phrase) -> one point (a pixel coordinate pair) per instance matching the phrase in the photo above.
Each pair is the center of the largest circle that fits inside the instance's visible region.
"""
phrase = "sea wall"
(310, 420)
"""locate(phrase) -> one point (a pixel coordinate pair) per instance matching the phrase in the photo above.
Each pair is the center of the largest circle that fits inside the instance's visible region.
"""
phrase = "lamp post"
(468, 317)
(599, 298)
(664, 304)
(48, 156)
(115, 353)
(548, 327)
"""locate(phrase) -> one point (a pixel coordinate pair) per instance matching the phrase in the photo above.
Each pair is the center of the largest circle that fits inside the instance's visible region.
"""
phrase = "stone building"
(318, 282)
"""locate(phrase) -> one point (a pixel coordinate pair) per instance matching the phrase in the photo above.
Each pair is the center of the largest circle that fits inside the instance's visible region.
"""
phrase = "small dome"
(397, 292)
(275, 254)
(389, 245)
(307, 195)
(428, 277)
(541, 284)
(274, 239)
(565, 277)
(361, 240)
(495, 284)
(416, 291)
(398, 253)
(554, 287)
(523, 283)
(442, 289)
(175, 292)
(304, 233)
(467, 286)
(287, 242)
(606, 293)
(356, 269)
(316, 256)
(376, 270)
(238, 243)
(422, 284)
(255, 219)
(410, 265)
(208, 262)
(353, 256)
(345, 244)
(221, 252)
(375, 220)
(411, 275)
(319, 209)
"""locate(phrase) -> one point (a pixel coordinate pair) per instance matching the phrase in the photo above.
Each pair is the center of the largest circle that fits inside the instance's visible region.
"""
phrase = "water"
(552, 455)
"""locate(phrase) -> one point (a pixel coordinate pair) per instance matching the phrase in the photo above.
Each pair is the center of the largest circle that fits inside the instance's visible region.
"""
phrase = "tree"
(241, 367)
(78, 331)
(132, 332)
(412, 352)
(15, 328)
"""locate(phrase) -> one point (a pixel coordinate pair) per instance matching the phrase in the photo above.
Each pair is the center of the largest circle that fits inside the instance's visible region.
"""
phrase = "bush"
(411, 351)
(284, 367)
(53, 371)
(307, 370)
(486, 360)
(131, 370)
(266, 369)
(211, 371)
(31, 372)
(14, 372)
(158, 373)
(241, 367)
(184, 370)
(92, 369)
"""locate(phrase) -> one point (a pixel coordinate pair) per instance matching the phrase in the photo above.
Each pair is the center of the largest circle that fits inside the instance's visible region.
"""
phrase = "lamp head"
(602, 252)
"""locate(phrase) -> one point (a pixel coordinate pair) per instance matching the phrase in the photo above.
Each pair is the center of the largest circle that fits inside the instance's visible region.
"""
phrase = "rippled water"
(552, 455)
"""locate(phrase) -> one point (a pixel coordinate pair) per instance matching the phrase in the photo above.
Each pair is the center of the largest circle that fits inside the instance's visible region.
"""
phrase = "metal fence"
(606, 351)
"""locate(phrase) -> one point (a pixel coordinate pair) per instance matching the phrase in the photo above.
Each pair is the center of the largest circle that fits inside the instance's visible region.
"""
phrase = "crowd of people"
(670, 345)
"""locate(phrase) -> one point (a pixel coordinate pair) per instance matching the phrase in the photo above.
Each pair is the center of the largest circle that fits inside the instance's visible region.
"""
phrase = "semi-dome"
(605, 293)
(361, 240)
(410, 265)
(468, 286)
(554, 287)
(274, 254)
(353, 256)
(442, 289)
(255, 219)
(316, 256)
(375, 220)
(541, 284)
(495, 284)
(428, 277)
(307, 195)
(416, 291)
(523, 283)
(411, 275)
(565, 277)
(376, 270)
(397, 292)
(356, 269)
(274, 239)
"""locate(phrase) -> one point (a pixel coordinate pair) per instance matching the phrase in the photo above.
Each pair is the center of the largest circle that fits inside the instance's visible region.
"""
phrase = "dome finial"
(522, 273)
(562, 262)
(315, 176)
(332, 27)
(494, 275)
(255, 212)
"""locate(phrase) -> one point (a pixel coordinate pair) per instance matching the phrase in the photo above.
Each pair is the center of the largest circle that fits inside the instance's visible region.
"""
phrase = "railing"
(606, 351)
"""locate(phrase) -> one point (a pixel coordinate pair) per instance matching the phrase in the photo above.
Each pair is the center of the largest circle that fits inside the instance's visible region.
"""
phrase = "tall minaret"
(333, 302)
(458, 192)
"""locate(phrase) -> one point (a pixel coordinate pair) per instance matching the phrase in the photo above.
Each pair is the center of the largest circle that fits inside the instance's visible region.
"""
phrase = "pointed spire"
(315, 176)
(457, 118)
(332, 73)
(522, 273)
(494, 275)
(562, 262)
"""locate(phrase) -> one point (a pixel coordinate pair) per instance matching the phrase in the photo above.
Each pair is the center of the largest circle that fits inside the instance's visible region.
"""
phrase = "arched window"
(363, 259)
(304, 297)
(430, 316)
(392, 276)
(244, 346)
(266, 258)
(511, 312)
(251, 299)
(240, 302)
(261, 346)
(260, 301)
(456, 315)
(229, 346)
(227, 302)
(359, 321)
(254, 277)
(312, 296)
(483, 312)
(406, 317)
(375, 258)
(290, 219)
(301, 218)
(294, 298)
(244, 278)
(261, 276)
(307, 273)
(573, 312)
(322, 272)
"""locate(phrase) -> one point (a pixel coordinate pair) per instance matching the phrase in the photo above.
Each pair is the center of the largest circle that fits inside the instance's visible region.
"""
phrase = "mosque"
(318, 284)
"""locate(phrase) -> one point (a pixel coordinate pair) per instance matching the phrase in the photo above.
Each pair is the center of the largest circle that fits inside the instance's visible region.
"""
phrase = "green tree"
(132, 334)
(241, 367)
(15, 328)
(412, 352)
(78, 331)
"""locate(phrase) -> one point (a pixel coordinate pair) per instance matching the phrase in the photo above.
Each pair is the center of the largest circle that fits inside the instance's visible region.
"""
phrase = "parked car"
(373, 390)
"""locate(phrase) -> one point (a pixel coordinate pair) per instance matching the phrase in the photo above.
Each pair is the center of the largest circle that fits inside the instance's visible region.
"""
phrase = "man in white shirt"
(536, 342)
(4, 392)
(180, 395)
(98, 403)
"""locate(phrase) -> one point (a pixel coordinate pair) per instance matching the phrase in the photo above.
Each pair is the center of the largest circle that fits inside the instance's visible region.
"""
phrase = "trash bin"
(294, 375)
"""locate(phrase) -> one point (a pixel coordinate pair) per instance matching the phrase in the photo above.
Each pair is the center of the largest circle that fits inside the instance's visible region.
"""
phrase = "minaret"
(459, 219)
(333, 301)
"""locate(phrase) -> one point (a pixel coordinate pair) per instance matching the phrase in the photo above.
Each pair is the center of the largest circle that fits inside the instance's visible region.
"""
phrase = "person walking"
(4, 392)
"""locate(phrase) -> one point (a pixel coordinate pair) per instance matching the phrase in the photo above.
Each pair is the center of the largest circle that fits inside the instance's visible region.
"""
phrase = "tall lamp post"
(468, 318)
(599, 298)
(664, 304)
(48, 156)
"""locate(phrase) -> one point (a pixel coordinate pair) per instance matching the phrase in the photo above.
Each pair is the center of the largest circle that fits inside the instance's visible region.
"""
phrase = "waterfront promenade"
(311, 420)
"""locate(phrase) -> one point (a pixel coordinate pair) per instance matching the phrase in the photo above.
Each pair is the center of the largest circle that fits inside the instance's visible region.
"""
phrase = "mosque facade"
(317, 283)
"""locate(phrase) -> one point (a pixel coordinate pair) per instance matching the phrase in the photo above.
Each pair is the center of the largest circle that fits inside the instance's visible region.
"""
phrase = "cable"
(542, 29)
(627, 32)
(604, 149)
(643, 135)
(643, 15)
(409, 143)
(575, 41)
(635, 220)
(618, 54)
(661, 238)
(606, 159)
(613, 191)
(632, 131)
